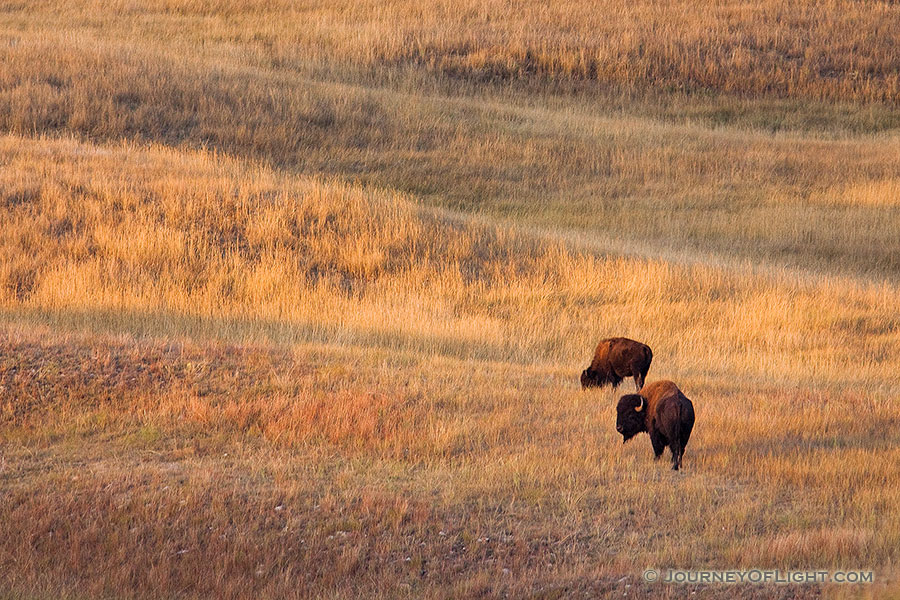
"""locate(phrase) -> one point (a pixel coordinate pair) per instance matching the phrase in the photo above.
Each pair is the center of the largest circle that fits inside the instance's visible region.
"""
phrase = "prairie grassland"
(126, 231)
(191, 342)
(155, 469)
(294, 297)
(548, 161)
(832, 50)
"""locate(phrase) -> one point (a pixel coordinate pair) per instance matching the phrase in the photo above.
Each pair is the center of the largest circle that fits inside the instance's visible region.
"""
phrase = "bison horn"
(640, 406)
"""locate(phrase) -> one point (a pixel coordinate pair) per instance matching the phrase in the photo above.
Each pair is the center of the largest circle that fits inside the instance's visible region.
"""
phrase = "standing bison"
(662, 411)
(616, 359)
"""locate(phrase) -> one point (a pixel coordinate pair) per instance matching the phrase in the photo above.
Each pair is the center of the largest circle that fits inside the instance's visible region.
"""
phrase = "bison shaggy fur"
(615, 359)
(662, 411)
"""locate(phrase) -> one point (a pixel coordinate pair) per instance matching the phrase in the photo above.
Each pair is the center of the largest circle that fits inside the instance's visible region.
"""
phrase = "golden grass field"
(294, 297)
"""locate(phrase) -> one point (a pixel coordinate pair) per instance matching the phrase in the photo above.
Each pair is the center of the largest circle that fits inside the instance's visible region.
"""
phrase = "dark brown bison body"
(614, 360)
(662, 411)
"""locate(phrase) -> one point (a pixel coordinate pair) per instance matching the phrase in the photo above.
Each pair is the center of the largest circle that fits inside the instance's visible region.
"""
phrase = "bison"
(615, 359)
(662, 411)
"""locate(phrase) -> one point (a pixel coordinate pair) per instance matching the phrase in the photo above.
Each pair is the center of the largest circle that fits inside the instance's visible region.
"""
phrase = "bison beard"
(663, 412)
(615, 359)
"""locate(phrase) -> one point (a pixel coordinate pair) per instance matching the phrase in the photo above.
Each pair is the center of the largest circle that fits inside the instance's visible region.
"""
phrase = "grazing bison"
(616, 359)
(662, 411)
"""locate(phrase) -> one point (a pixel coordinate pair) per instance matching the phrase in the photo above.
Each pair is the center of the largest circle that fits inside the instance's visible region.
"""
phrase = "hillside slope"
(728, 171)
(216, 379)
(294, 296)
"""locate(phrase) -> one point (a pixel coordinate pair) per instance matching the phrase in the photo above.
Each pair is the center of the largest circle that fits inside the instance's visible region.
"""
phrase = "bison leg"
(639, 373)
(677, 451)
(659, 444)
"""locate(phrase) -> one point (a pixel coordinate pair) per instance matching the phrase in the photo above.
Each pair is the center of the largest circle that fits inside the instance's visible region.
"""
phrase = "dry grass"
(254, 343)
(402, 374)
(186, 454)
(123, 238)
(833, 50)
(558, 161)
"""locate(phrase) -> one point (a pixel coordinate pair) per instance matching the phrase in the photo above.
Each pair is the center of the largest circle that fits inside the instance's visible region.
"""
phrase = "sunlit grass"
(402, 354)
(154, 232)
(651, 170)
(294, 297)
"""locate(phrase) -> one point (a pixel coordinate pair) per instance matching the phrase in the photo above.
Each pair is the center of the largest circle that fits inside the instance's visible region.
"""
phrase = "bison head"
(631, 417)
(589, 379)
